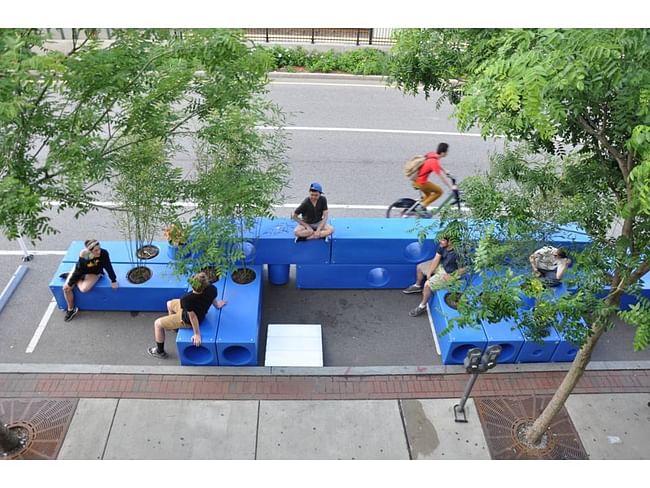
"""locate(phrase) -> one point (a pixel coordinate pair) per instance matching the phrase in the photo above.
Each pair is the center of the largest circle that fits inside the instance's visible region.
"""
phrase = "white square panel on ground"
(294, 345)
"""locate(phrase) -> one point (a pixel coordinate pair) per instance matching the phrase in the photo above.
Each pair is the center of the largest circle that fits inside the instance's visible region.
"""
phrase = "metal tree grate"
(504, 419)
(46, 421)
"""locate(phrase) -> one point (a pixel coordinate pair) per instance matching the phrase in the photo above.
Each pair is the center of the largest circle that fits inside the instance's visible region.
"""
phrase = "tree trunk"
(8, 439)
(569, 382)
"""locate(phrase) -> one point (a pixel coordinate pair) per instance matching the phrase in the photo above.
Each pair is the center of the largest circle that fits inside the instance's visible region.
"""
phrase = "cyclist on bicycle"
(431, 164)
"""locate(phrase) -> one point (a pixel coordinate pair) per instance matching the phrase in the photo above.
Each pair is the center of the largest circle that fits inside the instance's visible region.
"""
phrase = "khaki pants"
(431, 192)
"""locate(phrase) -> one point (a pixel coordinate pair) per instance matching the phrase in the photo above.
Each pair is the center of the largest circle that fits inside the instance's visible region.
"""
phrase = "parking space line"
(41, 327)
(375, 131)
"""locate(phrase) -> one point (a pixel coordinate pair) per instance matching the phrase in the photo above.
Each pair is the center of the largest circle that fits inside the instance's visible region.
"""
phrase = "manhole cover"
(504, 420)
(46, 421)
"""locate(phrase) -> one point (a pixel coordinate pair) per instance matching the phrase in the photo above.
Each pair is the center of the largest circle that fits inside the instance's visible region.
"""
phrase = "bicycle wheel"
(399, 208)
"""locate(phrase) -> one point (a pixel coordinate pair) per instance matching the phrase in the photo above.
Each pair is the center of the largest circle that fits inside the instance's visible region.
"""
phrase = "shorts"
(175, 320)
(75, 277)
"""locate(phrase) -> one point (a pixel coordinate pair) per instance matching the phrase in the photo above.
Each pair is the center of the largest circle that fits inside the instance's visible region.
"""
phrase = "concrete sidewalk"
(140, 416)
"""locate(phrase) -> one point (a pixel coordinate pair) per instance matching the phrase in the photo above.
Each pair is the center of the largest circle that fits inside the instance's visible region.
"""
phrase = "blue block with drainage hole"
(150, 296)
(272, 241)
(506, 334)
(379, 240)
(206, 353)
(454, 344)
(239, 326)
(354, 276)
(121, 252)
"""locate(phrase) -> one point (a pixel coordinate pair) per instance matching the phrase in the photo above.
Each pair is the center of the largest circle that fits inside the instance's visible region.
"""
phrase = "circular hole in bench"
(139, 275)
(460, 352)
(198, 355)
(414, 252)
(378, 277)
(237, 354)
(148, 251)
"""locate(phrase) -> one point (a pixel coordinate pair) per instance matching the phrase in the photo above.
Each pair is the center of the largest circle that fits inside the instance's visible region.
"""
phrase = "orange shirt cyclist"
(430, 190)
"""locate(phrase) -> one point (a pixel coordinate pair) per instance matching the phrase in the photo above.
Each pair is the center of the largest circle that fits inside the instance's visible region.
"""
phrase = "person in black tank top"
(186, 312)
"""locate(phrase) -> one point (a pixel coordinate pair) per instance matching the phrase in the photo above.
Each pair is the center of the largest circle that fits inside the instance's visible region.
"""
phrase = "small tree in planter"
(239, 175)
(147, 187)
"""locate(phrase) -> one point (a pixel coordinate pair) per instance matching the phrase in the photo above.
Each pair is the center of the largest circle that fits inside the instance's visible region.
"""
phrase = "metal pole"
(358, 35)
(313, 31)
(23, 248)
(468, 390)
(267, 35)
(370, 36)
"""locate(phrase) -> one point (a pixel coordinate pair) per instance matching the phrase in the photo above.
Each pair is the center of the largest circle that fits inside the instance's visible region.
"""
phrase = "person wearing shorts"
(438, 271)
(312, 215)
(186, 312)
(93, 260)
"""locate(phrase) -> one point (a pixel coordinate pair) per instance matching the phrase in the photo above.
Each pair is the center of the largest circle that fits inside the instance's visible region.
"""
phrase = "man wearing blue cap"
(311, 216)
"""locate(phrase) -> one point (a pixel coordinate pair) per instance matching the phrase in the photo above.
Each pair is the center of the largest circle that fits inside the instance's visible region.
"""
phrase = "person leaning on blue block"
(185, 312)
(438, 271)
(92, 261)
(312, 215)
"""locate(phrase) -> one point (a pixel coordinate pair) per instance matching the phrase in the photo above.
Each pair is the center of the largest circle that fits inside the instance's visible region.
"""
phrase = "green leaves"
(639, 316)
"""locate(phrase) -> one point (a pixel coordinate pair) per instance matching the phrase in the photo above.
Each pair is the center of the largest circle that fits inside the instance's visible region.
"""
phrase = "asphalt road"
(351, 136)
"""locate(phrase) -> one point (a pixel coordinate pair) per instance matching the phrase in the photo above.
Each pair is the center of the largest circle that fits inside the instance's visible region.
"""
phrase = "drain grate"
(45, 421)
(504, 419)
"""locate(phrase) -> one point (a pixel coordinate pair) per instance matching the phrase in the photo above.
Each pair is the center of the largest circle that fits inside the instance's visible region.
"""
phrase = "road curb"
(340, 76)
(50, 368)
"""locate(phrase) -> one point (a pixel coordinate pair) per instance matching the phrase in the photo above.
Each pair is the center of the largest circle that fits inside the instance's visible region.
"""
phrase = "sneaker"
(299, 239)
(413, 289)
(64, 276)
(69, 314)
(417, 311)
(154, 352)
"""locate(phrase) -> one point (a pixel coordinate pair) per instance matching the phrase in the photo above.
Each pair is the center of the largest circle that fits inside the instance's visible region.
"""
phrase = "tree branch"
(620, 158)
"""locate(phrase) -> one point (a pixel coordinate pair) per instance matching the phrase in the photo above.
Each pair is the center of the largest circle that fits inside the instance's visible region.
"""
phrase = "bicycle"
(409, 207)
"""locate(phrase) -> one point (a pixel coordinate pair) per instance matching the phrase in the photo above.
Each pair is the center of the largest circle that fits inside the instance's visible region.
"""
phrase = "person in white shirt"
(550, 263)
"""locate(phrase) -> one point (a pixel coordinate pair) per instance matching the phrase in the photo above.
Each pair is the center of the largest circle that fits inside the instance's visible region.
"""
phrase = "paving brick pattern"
(223, 387)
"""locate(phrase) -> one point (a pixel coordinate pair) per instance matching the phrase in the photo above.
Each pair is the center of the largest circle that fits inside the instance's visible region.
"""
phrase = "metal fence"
(356, 36)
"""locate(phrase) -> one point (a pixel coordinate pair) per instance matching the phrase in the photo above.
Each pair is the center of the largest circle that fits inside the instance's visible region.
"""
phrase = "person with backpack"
(430, 163)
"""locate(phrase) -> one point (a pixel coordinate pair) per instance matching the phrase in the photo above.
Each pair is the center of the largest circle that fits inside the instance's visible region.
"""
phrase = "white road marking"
(314, 83)
(374, 131)
(41, 327)
(35, 253)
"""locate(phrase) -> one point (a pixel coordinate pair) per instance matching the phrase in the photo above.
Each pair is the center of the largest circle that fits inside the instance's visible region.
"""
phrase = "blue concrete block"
(120, 252)
(570, 236)
(271, 241)
(206, 353)
(507, 335)
(566, 351)
(539, 352)
(354, 276)
(239, 326)
(150, 296)
(379, 240)
(455, 344)
(279, 273)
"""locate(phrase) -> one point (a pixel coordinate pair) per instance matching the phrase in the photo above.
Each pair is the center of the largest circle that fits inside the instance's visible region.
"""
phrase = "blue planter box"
(566, 351)
(386, 241)
(503, 334)
(539, 352)
(455, 344)
(239, 326)
(206, 353)
(120, 252)
(354, 276)
(272, 241)
(150, 296)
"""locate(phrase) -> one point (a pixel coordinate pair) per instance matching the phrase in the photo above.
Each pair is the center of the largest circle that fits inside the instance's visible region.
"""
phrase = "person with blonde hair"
(185, 312)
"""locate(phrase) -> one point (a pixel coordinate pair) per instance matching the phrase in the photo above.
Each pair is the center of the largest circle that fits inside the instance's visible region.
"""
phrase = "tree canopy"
(69, 119)
(573, 106)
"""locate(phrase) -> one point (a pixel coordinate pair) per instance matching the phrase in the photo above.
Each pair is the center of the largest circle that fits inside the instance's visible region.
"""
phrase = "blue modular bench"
(206, 353)
(150, 296)
(121, 252)
(238, 334)
(272, 242)
(539, 352)
(350, 276)
(454, 344)
(375, 240)
(507, 335)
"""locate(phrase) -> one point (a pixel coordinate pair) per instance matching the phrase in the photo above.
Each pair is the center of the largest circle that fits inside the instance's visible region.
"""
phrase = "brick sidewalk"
(190, 387)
